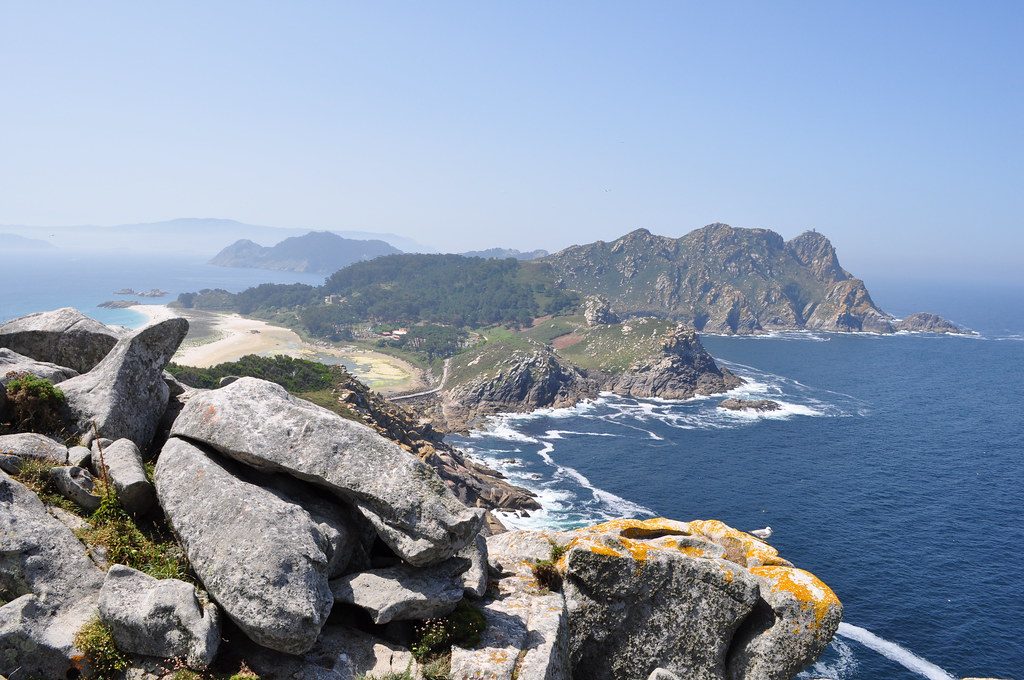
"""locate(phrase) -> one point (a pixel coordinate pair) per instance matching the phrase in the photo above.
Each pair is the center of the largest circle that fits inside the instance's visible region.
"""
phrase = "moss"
(96, 643)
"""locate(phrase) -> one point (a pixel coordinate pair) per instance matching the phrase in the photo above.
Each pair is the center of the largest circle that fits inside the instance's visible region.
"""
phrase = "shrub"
(546, 572)
(96, 643)
(34, 403)
(435, 637)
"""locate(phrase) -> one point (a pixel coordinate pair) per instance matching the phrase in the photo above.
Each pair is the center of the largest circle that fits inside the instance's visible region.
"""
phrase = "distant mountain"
(503, 253)
(721, 279)
(188, 236)
(317, 251)
(13, 242)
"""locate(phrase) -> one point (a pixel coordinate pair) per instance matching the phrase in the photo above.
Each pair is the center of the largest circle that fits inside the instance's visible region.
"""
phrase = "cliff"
(317, 251)
(721, 279)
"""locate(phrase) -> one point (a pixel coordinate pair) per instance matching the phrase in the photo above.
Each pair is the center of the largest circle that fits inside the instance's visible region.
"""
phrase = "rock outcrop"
(923, 322)
(162, 618)
(12, 363)
(261, 425)
(848, 307)
(260, 555)
(759, 405)
(32, 445)
(403, 592)
(125, 395)
(597, 311)
(681, 370)
(65, 337)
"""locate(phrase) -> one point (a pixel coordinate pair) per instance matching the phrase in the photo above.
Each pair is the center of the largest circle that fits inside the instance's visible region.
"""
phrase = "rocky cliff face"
(721, 279)
(335, 553)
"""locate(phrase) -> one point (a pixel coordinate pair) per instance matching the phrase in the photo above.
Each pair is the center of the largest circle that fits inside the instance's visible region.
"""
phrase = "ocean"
(894, 472)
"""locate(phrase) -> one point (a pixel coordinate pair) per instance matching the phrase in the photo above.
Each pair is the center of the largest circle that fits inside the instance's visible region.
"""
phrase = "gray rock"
(759, 405)
(403, 592)
(125, 394)
(597, 311)
(75, 484)
(260, 424)
(65, 337)
(10, 463)
(923, 322)
(163, 618)
(262, 558)
(79, 456)
(340, 653)
(124, 467)
(32, 445)
(475, 578)
(662, 674)
(49, 583)
(11, 363)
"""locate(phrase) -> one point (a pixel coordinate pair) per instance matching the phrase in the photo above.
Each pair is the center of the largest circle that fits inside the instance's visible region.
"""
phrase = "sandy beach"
(216, 338)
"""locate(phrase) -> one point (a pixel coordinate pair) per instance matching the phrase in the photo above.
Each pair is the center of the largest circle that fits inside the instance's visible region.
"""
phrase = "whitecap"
(893, 651)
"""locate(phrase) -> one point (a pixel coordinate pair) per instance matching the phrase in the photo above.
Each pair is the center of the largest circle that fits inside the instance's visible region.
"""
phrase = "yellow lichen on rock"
(808, 590)
(740, 547)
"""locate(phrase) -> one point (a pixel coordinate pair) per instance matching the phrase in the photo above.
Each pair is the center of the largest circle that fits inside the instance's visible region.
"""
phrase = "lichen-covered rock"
(260, 555)
(260, 424)
(162, 618)
(12, 363)
(49, 585)
(125, 395)
(32, 445)
(123, 463)
(75, 484)
(65, 337)
(403, 592)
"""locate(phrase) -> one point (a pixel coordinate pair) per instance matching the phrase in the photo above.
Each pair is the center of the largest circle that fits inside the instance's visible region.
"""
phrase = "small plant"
(407, 675)
(546, 571)
(35, 474)
(96, 643)
(435, 637)
(34, 403)
(126, 543)
(437, 668)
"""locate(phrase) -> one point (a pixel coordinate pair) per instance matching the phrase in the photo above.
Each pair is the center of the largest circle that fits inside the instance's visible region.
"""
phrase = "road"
(440, 386)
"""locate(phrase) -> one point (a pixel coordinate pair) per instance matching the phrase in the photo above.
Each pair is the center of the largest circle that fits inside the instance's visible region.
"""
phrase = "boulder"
(260, 424)
(340, 653)
(49, 585)
(79, 456)
(162, 618)
(260, 555)
(13, 363)
(10, 463)
(75, 484)
(32, 445)
(476, 577)
(124, 468)
(759, 405)
(65, 337)
(404, 592)
(125, 394)
(597, 311)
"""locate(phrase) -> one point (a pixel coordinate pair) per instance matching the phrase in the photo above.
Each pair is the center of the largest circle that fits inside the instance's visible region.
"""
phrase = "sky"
(893, 128)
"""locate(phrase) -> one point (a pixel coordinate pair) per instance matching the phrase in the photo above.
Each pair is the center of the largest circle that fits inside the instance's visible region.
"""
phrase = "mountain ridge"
(317, 251)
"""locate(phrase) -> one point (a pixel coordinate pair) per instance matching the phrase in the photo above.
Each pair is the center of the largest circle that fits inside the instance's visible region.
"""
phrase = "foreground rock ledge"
(258, 423)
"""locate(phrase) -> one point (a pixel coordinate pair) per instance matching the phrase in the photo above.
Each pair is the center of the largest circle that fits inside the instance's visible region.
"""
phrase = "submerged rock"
(261, 556)
(260, 424)
(162, 618)
(65, 337)
(125, 395)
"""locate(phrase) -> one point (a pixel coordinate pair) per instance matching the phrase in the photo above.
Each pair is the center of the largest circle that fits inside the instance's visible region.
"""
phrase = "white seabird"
(763, 534)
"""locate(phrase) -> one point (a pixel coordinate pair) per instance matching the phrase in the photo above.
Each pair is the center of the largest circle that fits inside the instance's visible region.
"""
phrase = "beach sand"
(216, 338)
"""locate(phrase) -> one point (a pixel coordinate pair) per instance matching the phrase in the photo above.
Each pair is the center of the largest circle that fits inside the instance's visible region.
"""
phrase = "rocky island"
(155, 530)
(317, 251)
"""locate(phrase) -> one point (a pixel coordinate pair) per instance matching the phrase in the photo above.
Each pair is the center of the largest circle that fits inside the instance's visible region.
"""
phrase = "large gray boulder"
(125, 394)
(260, 424)
(262, 557)
(76, 484)
(49, 585)
(403, 592)
(163, 618)
(65, 337)
(12, 363)
(123, 464)
(32, 445)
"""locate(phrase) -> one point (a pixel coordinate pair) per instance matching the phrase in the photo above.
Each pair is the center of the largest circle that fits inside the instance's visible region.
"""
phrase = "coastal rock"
(12, 363)
(475, 578)
(65, 337)
(162, 618)
(261, 425)
(760, 405)
(48, 583)
(597, 311)
(847, 307)
(263, 558)
(75, 484)
(125, 394)
(681, 369)
(403, 592)
(32, 445)
(922, 322)
(124, 467)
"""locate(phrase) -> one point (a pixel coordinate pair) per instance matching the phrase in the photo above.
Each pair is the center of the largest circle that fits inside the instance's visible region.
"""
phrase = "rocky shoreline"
(309, 545)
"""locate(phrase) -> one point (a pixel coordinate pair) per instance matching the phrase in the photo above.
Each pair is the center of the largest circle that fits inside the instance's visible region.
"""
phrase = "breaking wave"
(894, 652)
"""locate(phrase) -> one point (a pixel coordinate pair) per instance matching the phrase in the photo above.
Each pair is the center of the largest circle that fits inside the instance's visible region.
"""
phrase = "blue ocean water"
(894, 473)
(38, 282)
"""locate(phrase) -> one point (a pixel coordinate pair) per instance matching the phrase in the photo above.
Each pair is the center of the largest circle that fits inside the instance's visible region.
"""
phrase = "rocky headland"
(170, 532)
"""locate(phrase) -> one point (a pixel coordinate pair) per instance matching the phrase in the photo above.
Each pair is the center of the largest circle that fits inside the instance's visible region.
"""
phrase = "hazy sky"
(895, 128)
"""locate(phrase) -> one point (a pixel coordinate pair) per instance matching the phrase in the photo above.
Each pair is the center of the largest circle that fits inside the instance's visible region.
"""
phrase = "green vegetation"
(35, 474)
(546, 571)
(614, 348)
(430, 340)
(295, 375)
(435, 637)
(555, 327)
(34, 403)
(96, 643)
(407, 675)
